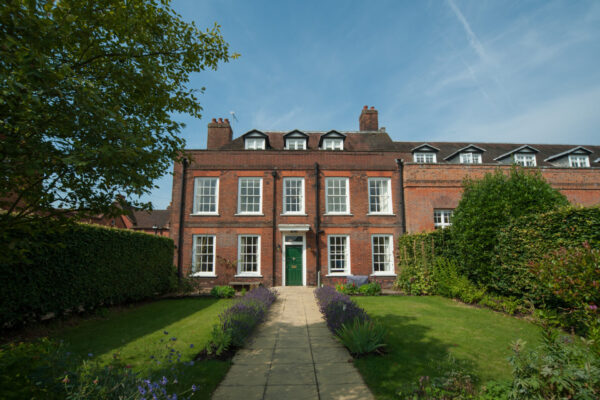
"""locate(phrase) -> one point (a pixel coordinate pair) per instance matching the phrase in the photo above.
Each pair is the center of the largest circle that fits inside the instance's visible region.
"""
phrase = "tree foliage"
(88, 94)
(489, 204)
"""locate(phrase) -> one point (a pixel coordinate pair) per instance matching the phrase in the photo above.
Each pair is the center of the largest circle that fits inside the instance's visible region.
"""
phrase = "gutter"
(274, 245)
(402, 204)
(181, 217)
(318, 223)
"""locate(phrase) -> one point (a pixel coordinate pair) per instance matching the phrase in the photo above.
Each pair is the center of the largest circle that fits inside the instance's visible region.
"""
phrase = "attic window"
(525, 159)
(424, 158)
(254, 143)
(333, 144)
(579, 161)
(295, 144)
(470, 158)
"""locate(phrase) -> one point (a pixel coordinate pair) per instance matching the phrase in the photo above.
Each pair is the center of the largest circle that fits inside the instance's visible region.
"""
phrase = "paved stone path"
(293, 356)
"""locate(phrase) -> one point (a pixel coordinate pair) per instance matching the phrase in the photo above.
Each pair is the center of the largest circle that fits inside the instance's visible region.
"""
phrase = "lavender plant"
(338, 309)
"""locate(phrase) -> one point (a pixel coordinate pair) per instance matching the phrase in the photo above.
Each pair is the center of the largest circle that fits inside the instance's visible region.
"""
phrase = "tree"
(488, 205)
(88, 94)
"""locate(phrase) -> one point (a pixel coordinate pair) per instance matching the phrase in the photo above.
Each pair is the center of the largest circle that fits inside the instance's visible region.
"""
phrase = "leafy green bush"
(220, 340)
(223, 292)
(558, 369)
(82, 267)
(347, 288)
(362, 336)
(568, 280)
(370, 289)
(415, 279)
(532, 237)
(489, 204)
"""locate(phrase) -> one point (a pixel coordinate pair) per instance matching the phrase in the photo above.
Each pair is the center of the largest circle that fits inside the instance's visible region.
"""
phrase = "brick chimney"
(368, 120)
(219, 134)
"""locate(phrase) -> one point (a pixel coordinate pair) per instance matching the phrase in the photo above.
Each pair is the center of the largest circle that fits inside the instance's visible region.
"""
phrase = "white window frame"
(346, 255)
(195, 254)
(295, 144)
(445, 218)
(333, 144)
(390, 254)
(388, 196)
(197, 180)
(241, 263)
(421, 157)
(525, 159)
(254, 143)
(328, 182)
(286, 181)
(244, 178)
(470, 158)
(579, 161)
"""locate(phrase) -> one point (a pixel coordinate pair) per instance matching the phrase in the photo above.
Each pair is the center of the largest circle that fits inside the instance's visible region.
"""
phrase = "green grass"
(136, 333)
(423, 331)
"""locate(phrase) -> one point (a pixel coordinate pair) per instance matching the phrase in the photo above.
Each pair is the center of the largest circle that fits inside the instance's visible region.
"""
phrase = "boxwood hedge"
(81, 267)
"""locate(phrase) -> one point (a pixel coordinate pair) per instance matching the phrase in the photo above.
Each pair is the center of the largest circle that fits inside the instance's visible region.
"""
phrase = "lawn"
(423, 331)
(135, 334)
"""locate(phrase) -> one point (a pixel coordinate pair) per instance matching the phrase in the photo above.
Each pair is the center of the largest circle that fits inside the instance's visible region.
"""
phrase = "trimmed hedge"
(530, 238)
(81, 267)
(423, 248)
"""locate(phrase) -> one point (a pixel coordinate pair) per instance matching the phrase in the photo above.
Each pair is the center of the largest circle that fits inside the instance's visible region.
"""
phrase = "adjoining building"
(303, 207)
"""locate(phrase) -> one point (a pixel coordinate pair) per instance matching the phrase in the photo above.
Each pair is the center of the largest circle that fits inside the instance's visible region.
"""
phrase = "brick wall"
(429, 186)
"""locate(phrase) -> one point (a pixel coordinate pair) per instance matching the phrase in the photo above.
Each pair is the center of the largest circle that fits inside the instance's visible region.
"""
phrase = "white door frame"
(303, 235)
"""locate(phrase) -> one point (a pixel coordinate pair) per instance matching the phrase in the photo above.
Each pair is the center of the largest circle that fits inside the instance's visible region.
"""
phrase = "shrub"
(568, 280)
(82, 267)
(488, 205)
(362, 337)
(532, 237)
(337, 308)
(346, 288)
(558, 369)
(223, 292)
(370, 289)
(237, 322)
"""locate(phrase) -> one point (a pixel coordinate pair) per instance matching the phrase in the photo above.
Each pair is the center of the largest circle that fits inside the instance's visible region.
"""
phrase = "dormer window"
(295, 140)
(333, 144)
(470, 158)
(579, 161)
(255, 144)
(424, 158)
(255, 140)
(425, 154)
(332, 140)
(295, 144)
(525, 159)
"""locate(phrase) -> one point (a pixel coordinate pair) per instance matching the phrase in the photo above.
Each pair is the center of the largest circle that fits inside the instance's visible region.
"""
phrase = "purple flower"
(194, 388)
(173, 338)
(593, 307)
(164, 380)
(165, 332)
(192, 346)
(141, 390)
(90, 355)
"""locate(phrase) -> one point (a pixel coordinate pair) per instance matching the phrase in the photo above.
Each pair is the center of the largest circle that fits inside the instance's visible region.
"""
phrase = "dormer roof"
(521, 149)
(255, 133)
(577, 150)
(425, 147)
(295, 134)
(470, 149)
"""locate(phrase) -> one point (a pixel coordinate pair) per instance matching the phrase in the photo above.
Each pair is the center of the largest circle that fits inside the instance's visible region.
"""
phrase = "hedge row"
(81, 267)
(530, 238)
(423, 248)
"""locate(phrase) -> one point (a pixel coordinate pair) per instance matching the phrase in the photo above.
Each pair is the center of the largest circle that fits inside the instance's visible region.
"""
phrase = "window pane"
(293, 196)
(441, 218)
(248, 254)
(338, 254)
(205, 198)
(379, 195)
(337, 195)
(382, 253)
(250, 196)
(204, 254)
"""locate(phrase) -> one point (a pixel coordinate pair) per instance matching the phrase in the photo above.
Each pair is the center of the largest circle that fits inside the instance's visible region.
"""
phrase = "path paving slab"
(293, 356)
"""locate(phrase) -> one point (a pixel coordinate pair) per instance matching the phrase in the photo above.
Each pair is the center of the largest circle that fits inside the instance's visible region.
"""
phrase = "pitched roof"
(564, 153)
(149, 219)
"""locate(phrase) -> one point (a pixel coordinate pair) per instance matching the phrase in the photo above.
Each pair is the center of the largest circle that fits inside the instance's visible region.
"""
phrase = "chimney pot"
(372, 108)
(214, 120)
(220, 120)
(365, 107)
(226, 120)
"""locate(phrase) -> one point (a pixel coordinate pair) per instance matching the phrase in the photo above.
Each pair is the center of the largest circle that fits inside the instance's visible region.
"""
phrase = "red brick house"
(302, 207)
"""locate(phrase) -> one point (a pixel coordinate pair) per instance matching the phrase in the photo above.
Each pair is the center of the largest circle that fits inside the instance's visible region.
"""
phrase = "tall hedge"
(81, 267)
(531, 237)
(422, 248)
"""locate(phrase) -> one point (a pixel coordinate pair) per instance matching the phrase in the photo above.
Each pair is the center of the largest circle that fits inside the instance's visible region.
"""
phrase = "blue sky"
(485, 71)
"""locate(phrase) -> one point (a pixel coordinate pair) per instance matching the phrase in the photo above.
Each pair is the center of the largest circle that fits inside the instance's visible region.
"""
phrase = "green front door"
(293, 265)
